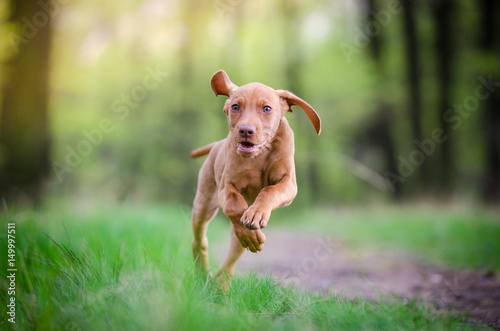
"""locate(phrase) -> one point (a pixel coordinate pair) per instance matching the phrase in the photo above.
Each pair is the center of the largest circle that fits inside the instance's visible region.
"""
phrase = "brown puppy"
(251, 172)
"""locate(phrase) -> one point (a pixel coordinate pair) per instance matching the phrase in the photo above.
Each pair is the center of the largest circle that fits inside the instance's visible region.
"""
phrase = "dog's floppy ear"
(221, 85)
(291, 99)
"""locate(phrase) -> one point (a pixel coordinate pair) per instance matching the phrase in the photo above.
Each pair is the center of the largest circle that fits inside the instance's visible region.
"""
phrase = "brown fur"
(247, 182)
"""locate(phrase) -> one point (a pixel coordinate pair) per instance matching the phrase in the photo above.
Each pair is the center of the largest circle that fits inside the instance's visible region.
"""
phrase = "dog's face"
(254, 112)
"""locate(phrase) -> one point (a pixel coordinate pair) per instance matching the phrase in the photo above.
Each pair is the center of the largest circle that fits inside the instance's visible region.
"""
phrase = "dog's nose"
(246, 131)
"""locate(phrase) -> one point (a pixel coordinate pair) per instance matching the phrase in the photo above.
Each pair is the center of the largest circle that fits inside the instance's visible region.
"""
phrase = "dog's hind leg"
(226, 270)
(205, 208)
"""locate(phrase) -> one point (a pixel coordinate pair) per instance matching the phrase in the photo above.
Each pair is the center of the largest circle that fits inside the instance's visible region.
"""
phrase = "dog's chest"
(249, 182)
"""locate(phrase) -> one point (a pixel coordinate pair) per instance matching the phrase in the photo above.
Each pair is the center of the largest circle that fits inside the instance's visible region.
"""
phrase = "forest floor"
(325, 264)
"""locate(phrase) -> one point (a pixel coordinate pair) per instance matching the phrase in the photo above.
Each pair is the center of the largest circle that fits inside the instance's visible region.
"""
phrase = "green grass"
(130, 268)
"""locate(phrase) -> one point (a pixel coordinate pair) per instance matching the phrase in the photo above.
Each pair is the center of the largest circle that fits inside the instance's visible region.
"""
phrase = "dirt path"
(322, 263)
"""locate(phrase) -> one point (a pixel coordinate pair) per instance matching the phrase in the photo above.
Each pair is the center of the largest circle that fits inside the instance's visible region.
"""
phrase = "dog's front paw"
(255, 218)
(253, 240)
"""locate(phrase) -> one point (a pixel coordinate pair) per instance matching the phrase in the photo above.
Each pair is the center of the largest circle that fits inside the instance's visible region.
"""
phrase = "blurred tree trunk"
(490, 44)
(382, 126)
(375, 40)
(24, 128)
(413, 72)
(443, 11)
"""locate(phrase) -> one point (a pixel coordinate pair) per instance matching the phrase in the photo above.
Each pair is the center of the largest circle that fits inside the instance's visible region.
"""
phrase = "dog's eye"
(266, 109)
(235, 108)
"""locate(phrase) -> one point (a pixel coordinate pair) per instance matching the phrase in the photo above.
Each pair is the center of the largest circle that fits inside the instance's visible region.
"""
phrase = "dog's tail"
(202, 151)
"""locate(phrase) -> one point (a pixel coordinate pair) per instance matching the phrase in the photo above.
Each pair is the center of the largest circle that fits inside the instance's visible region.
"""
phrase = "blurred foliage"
(103, 53)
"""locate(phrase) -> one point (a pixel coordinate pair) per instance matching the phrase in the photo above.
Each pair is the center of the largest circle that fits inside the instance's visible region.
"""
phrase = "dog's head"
(254, 112)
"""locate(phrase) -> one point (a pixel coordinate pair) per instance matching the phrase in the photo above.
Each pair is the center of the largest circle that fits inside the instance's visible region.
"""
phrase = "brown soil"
(322, 263)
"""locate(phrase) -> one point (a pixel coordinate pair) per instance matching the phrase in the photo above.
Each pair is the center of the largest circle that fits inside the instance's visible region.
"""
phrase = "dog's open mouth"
(246, 148)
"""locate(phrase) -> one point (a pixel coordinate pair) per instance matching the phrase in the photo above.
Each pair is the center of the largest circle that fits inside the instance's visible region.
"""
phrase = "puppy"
(251, 172)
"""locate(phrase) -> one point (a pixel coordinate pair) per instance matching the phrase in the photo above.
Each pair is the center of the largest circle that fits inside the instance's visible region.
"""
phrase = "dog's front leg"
(234, 205)
(270, 197)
